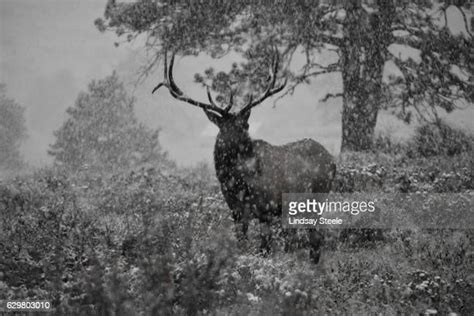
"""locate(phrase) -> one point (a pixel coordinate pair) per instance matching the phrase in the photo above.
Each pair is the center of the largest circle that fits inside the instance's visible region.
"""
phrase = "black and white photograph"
(236, 157)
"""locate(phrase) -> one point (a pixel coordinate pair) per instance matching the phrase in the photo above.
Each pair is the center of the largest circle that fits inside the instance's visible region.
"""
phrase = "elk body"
(254, 174)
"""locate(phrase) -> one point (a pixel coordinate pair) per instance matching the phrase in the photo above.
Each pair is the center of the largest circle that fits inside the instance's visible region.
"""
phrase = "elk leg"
(266, 237)
(289, 238)
(316, 241)
(241, 223)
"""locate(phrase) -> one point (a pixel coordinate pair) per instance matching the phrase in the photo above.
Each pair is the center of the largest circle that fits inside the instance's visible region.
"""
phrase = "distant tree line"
(12, 131)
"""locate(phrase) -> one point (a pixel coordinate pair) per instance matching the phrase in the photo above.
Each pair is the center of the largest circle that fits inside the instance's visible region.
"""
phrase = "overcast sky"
(50, 50)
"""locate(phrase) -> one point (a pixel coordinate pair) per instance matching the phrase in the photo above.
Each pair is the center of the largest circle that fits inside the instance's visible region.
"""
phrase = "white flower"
(431, 311)
(253, 298)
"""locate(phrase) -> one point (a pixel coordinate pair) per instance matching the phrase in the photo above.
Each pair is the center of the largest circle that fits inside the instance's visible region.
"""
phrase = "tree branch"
(336, 41)
(330, 95)
(466, 24)
(312, 74)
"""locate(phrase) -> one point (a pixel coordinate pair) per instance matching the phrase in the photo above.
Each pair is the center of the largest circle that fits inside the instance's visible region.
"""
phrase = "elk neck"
(232, 148)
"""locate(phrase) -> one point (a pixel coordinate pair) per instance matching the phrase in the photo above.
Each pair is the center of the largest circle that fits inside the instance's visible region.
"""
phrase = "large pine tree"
(364, 38)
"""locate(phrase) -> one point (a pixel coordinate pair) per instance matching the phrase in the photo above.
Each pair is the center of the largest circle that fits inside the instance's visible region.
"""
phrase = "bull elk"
(253, 174)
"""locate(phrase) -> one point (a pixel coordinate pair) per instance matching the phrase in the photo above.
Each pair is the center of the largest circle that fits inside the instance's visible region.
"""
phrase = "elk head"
(253, 173)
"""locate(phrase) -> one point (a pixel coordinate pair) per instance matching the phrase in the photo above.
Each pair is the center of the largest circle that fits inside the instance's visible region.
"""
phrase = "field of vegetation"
(160, 241)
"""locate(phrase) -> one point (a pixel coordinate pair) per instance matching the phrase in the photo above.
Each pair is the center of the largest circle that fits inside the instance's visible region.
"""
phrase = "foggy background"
(50, 50)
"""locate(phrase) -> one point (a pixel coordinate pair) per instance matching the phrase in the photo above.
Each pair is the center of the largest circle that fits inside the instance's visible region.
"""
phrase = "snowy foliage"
(151, 241)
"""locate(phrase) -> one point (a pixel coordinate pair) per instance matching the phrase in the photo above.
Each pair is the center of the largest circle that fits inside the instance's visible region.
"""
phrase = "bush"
(158, 242)
(384, 143)
(439, 139)
(137, 242)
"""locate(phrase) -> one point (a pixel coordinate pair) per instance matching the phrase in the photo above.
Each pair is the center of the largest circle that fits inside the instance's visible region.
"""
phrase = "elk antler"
(179, 95)
(271, 89)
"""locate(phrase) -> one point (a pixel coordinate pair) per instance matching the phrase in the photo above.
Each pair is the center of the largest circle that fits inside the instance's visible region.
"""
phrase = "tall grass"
(152, 242)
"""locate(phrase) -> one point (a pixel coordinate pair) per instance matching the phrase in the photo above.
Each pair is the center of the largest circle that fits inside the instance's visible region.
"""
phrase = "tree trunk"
(358, 124)
(363, 55)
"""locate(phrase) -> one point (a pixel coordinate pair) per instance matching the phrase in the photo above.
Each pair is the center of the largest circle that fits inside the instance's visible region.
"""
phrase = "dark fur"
(253, 175)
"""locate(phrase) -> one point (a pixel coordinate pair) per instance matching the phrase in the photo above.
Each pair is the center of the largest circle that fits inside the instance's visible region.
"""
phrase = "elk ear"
(213, 117)
(245, 115)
